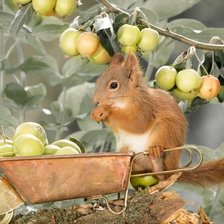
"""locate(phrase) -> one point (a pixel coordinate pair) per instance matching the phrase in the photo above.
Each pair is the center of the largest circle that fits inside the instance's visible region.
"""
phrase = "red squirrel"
(146, 119)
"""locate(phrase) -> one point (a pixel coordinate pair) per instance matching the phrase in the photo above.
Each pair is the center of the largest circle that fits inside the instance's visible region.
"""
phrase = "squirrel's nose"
(96, 100)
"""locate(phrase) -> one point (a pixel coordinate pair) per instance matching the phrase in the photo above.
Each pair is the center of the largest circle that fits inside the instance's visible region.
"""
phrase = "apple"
(22, 2)
(149, 39)
(188, 80)
(143, 181)
(65, 7)
(210, 87)
(32, 128)
(68, 41)
(101, 56)
(65, 142)
(166, 77)
(87, 43)
(128, 35)
(28, 145)
(51, 149)
(43, 7)
(127, 49)
(184, 96)
(6, 150)
(66, 150)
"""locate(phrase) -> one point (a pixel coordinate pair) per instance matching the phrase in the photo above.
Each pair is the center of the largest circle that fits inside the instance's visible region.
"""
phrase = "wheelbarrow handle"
(190, 149)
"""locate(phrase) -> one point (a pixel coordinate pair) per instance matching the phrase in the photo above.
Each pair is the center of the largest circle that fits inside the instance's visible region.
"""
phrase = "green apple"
(149, 39)
(143, 181)
(128, 35)
(166, 77)
(22, 2)
(184, 96)
(127, 49)
(31, 128)
(66, 150)
(28, 145)
(43, 7)
(68, 41)
(65, 142)
(188, 80)
(65, 7)
(101, 56)
(6, 150)
(51, 149)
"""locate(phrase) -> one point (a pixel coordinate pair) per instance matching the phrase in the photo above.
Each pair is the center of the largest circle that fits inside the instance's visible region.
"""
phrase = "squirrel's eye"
(113, 85)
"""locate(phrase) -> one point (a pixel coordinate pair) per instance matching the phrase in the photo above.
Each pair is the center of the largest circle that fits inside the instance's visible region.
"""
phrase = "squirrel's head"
(120, 79)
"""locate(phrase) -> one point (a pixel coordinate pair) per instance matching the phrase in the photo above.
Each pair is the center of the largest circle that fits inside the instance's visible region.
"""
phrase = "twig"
(167, 32)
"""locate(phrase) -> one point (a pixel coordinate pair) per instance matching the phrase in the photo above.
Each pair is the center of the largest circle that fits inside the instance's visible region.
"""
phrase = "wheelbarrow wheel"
(6, 218)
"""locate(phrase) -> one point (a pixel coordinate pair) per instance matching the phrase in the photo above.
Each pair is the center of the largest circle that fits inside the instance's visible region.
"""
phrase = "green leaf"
(35, 94)
(190, 23)
(167, 9)
(81, 146)
(37, 64)
(73, 65)
(49, 32)
(151, 16)
(62, 114)
(76, 71)
(96, 138)
(74, 97)
(86, 124)
(34, 42)
(203, 35)
(126, 3)
(6, 118)
(16, 92)
(21, 17)
(6, 19)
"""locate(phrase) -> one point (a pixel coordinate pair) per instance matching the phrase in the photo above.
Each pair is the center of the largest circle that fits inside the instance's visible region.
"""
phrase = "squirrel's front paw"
(99, 114)
(155, 152)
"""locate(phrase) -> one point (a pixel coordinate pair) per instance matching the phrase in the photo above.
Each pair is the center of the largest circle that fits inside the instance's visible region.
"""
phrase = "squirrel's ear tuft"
(117, 59)
(132, 61)
(135, 72)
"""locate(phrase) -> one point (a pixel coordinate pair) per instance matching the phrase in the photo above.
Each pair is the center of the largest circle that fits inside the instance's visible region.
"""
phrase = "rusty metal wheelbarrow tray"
(53, 178)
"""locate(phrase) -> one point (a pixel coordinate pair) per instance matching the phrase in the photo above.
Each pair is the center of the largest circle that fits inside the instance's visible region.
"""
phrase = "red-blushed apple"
(210, 87)
(87, 43)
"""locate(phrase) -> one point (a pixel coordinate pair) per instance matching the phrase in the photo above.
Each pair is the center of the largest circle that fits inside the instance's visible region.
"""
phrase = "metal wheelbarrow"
(40, 179)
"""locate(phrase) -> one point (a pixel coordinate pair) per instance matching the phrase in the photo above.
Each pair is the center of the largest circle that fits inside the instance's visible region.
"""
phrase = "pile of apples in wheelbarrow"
(30, 139)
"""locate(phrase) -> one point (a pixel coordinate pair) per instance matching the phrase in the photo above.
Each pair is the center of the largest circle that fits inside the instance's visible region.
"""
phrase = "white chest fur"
(135, 142)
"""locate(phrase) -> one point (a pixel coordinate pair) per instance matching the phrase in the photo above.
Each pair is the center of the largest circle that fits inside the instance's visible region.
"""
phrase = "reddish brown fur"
(147, 110)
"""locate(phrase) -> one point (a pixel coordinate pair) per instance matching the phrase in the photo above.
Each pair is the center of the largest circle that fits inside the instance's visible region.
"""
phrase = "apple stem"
(200, 62)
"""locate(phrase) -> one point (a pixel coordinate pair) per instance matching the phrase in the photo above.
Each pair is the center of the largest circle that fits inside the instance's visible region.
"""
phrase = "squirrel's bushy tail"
(210, 173)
